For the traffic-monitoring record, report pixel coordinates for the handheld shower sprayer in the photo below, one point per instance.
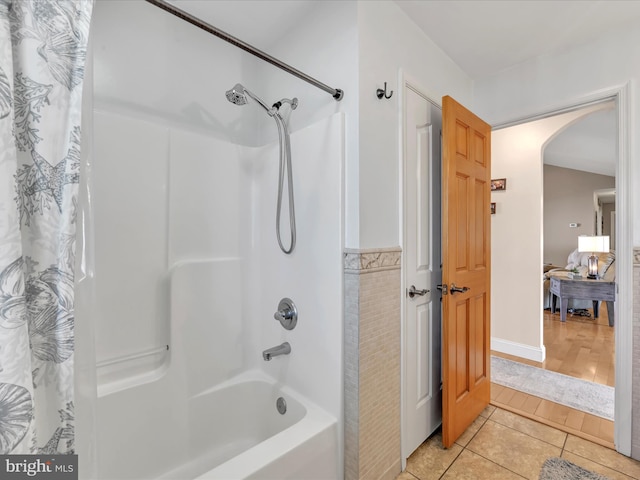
(238, 96)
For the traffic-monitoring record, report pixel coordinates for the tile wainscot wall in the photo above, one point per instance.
(372, 363)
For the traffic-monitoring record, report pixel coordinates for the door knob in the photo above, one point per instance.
(412, 292)
(455, 289)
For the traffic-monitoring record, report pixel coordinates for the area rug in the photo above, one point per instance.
(573, 392)
(560, 469)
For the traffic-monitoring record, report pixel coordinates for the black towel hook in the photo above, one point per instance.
(383, 93)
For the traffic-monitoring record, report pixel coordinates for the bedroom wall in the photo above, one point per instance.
(568, 198)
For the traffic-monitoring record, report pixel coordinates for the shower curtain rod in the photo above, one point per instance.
(335, 92)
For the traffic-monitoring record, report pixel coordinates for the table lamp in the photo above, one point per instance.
(593, 245)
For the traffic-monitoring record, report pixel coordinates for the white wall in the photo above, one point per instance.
(565, 78)
(324, 45)
(169, 70)
(389, 41)
(357, 46)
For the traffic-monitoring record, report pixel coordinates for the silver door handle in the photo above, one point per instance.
(412, 292)
(455, 289)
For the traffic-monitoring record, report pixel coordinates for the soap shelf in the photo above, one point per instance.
(133, 356)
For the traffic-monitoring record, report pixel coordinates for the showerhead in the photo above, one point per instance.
(237, 95)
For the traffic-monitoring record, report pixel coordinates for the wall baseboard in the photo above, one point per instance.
(536, 354)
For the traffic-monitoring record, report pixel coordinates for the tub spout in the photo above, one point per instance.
(284, 349)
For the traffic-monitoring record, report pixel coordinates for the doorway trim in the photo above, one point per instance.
(598, 196)
(624, 252)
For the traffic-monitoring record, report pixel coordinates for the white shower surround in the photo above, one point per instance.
(225, 274)
(183, 208)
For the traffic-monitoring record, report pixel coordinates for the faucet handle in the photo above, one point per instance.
(282, 315)
(287, 314)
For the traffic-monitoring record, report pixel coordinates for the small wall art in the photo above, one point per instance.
(493, 208)
(499, 184)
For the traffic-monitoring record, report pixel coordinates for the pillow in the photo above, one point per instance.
(577, 259)
(573, 259)
(605, 264)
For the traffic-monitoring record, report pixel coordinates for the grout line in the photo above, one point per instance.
(601, 464)
(454, 461)
(564, 444)
(486, 419)
(464, 447)
(495, 463)
(524, 433)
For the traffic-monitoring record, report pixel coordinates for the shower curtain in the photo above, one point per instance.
(42, 55)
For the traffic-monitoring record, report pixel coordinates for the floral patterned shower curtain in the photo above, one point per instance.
(42, 56)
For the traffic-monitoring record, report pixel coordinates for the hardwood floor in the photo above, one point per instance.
(581, 347)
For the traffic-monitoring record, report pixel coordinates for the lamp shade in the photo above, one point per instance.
(593, 244)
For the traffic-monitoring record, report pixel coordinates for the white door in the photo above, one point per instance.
(422, 270)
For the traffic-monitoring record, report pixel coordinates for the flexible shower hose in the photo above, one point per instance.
(285, 163)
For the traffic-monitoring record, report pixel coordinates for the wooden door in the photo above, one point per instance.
(466, 151)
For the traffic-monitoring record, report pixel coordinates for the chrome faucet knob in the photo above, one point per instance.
(282, 315)
(287, 314)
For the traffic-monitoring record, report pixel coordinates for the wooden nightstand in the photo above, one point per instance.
(584, 289)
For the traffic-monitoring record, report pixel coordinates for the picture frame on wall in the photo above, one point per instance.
(493, 208)
(498, 184)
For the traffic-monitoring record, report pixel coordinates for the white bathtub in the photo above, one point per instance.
(198, 409)
(236, 432)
